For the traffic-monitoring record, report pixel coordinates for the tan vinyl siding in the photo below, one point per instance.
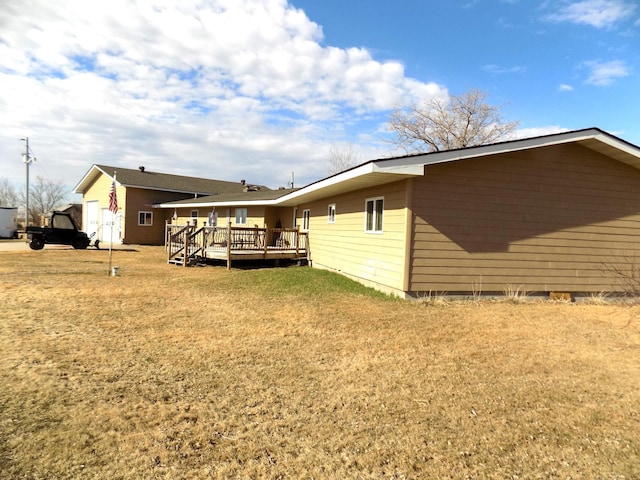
(256, 215)
(375, 258)
(99, 191)
(273, 215)
(550, 219)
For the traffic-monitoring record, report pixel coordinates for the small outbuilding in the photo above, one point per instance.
(8, 222)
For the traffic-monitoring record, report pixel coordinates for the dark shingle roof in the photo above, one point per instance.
(145, 179)
(239, 198)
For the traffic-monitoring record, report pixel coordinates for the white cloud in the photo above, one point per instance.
(563, 87)
(539, 131)
(606, 73)
(500, 70)
(597, 13)
(219, 88)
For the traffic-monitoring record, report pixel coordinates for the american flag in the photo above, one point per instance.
(113, 199)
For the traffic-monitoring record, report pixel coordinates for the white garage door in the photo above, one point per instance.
(110, 226)
(91, 217)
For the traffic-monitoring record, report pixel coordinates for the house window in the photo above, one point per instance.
(374, 208)
(145, 219)
(295, 217)
(194, 217)
(306, 215)
(331, 213)
(241, 216)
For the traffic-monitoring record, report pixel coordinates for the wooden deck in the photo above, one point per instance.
(234, 243)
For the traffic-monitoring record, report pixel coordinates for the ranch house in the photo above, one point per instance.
(555, 213)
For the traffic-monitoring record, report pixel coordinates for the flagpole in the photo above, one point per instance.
(110, 242)
(112, 196)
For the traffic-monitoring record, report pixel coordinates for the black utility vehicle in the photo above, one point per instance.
(62, 231)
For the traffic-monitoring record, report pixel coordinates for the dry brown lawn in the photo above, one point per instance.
(172, 373)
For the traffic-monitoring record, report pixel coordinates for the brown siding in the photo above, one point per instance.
(551, 219)
(139, 200)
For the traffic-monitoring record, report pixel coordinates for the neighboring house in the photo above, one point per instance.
(556, 213)
(137, 222)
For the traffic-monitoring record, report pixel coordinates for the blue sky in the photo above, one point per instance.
(569, 64)
(257, 89)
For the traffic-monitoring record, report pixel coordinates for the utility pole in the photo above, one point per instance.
(27, 159)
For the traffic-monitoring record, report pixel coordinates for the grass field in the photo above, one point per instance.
(172, 373)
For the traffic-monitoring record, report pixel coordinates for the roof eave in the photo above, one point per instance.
(247, 203)
(367, 175)
(630, 152)
(370, 174)
(83, 184)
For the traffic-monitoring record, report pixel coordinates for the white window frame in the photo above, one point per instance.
(372, 226)
(241, 216)
(147, 215)
(194, 216)
(306, 219)
(331, 213)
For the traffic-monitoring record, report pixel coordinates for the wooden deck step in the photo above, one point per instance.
(190, 260)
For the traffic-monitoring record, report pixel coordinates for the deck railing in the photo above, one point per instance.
(185, 242)
(177, 242)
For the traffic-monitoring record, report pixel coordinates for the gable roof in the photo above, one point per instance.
(381, 171)
(145, 179)
(388, 170)
(592, 138)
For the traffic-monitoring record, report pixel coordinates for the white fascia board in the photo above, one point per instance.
(361, 171)
(387, 167)
(90, 175)
(86, 177)
(619, 144)
(399, 167)
(330, 181)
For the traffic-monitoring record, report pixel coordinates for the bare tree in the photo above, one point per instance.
(447, 123)
(9, 196)
(44, 197)
(342, 159)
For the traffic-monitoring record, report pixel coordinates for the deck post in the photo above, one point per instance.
(297, 234)
(167, 240)
(307, 247)
(229, 246)
(266, 235)
(185, 245)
